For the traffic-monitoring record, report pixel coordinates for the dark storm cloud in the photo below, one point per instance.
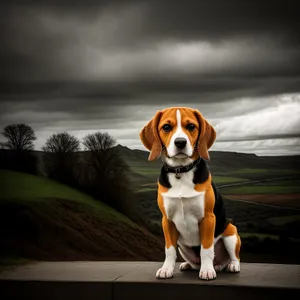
(83, 97)
(90, 65)
(217, 20)
(205, 19)
(262, 137)
(60, 40)
(122, 51)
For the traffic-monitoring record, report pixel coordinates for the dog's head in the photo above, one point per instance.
(178, 132)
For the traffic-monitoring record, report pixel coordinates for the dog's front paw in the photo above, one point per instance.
(234, 267)
(207, 273)
(164, 273)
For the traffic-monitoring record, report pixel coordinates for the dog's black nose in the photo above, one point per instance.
(180, 143)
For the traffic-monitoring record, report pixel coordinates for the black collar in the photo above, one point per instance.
(181, 169)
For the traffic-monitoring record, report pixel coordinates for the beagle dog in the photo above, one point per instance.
(193, 214)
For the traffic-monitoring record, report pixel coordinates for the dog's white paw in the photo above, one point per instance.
(164, 273)
(207, 273)
(234, 267)
(185, 266)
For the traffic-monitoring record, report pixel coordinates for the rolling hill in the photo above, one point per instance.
(223, 164)
(43, 220)
(241, 175)
(226, 167)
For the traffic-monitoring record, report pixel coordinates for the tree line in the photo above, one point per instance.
(98, 170)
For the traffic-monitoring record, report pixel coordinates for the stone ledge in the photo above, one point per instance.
(136, 280)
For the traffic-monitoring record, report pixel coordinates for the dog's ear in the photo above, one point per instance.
(150, 138)
(207, 136)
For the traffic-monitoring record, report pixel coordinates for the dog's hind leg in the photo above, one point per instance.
(221, 260)
(185, 266)
(191, 261)
(232, 243)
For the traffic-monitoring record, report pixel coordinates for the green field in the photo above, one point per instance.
(271, 187)
(146, 170)
(41, 219)
(9, 261)
(20, 187)
(227, 179)
(151, 172)
(279, 221)
(152, 185)
(78, 222)
(284, 182)
(262, 189)
(146, 189)
(261, 171)
(260, 236)
(249, 171)
(217, 179)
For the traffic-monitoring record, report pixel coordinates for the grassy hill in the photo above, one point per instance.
(272, 222)
(226, 167)
(56, 222)
(43, 220)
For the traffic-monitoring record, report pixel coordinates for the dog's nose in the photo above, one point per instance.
(180, 143)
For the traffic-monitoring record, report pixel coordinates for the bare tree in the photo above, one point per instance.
(106, 170)
(99, 144)
(17, 154)
(19, 137)
(62, 143)
(2, 145)
(61, 157)
(98, 141)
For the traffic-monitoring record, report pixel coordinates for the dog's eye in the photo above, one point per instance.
(167, 127)
(190, 127)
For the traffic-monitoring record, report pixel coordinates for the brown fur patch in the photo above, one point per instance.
(206, 186)
(230, 230)
(170, 233)
(150, 138)
(208, 223)
(207, 230)
(238, 247)
(207, 136)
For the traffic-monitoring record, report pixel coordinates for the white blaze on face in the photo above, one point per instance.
(179, 133)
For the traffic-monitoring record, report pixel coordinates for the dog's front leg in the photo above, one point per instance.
(207, 229)
(171, 235)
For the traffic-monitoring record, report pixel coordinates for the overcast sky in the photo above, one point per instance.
(83, 66)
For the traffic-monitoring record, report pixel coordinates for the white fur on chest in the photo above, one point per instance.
(185, 207)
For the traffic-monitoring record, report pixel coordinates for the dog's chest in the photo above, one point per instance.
(184, 206)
